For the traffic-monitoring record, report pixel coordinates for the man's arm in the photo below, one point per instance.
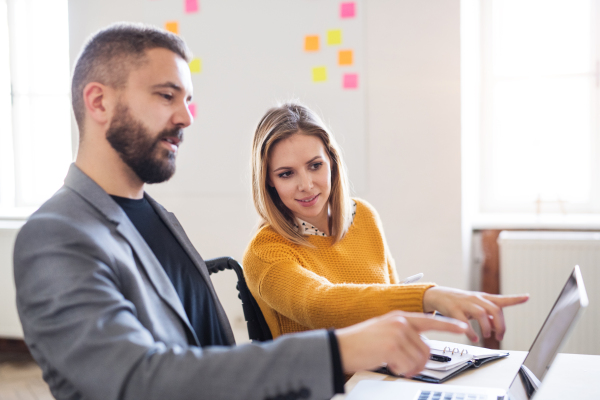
(88, 339)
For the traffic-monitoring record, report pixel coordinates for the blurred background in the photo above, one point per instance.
(471, 126)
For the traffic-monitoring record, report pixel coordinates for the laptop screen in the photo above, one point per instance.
(553, 334)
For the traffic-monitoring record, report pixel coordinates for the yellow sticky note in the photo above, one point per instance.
(311, 43)
(334, 36)
(319, 74)
(195, 66)
(345, 57)
(172, 26)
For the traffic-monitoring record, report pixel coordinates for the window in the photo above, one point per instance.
(34, 100)
(540, 78)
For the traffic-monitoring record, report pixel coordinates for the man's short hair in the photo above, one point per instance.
(110, 54)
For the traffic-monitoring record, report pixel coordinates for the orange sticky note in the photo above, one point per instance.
(345, 57)
(311, 43)
(195, 66)
(172, 26)
(319, 74)
(334, 36)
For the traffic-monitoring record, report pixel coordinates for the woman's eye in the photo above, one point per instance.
(286, 174)
(317, 165)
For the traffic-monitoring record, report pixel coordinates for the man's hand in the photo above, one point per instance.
(393, 339)
(463, 305)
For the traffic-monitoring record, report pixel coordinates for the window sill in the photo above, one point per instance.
(14, 218)
(536, 221)
(11, 224)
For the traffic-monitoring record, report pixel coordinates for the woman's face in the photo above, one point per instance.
(300, 171)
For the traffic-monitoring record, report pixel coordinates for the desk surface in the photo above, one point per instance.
(572, 376)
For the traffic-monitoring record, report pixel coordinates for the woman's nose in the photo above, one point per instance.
(305, 182)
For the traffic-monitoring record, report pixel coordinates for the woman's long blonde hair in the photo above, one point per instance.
(280, 123)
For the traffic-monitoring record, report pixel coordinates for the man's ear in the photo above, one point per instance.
(97, 100)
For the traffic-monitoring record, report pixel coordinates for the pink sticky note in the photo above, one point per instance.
(191, 6)
(350, 81)
(348, 9)
(192, 108)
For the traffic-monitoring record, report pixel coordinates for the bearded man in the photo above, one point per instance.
(114, 300)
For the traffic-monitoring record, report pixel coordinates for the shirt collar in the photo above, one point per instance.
(306, 228)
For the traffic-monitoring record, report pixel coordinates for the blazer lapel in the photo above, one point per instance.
(177, 230)
(77, 181)
(155, 272)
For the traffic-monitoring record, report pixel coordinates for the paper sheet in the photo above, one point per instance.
(195, 66)
(172, 26)
(348, 9)
(319, 74)
(334, 37)
(345, 57)
(311, 43)
(350, 81)
(191, 6)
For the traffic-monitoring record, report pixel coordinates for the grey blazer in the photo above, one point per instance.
(103, 321)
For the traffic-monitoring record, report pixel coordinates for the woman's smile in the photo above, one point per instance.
(308, 201)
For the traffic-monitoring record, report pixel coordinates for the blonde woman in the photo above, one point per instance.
(320, 258)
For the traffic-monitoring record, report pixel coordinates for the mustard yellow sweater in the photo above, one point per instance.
(299, 288)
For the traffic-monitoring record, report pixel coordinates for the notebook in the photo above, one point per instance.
(560, 321)
(462, 357)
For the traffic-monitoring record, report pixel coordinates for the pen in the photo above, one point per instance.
(439, 358)
(412, 279)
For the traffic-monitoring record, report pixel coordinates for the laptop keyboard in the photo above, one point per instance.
(435, 395)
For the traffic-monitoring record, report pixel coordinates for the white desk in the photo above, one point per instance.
(572, 376)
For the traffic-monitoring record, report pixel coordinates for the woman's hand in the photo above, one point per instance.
(464, 305)
(391, 339)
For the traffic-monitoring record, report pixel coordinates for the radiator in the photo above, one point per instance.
(539, 263)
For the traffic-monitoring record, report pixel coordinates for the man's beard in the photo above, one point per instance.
(143, 153)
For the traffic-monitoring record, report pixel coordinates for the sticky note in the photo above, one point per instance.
(311, 43)
(345, 57)
(195, 66)
(319, 74)
(192, 108)
(348, 9)
(350, 81)
(172, 26)
(191, 6)
(334, 36)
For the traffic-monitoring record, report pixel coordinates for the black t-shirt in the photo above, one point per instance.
(183, 273)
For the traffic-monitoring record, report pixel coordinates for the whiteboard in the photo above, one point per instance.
(252, 56)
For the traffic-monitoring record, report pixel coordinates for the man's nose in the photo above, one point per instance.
(183, 116)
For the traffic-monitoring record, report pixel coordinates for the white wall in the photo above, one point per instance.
(9, 320)
(413, 143)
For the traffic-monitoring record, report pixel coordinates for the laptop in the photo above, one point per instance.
(560, 321)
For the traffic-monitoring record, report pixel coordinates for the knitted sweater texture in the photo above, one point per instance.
(300, 288)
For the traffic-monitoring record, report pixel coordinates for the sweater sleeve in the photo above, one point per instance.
(299, 294)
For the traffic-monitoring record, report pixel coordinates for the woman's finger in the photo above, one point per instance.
(495, 316)
(480, 314)
(460, 314)
(506, 301)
